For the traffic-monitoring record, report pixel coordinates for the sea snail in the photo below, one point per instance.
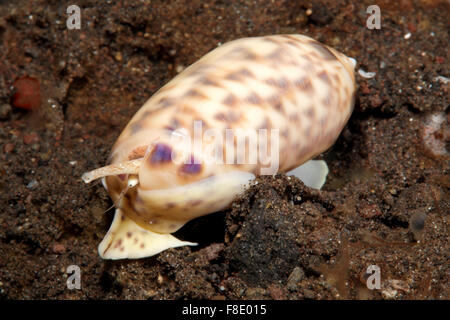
(191, 147)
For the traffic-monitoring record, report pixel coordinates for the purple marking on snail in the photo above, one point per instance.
(160, 154)
(292, 83)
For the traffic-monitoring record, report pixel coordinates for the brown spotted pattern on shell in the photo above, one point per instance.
(287, 82)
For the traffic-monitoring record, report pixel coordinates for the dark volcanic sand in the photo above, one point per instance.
(386, 201)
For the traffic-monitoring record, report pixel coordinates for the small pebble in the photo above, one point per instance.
(29, 138)
(212, 251)
(59, 248)
(5, 111)
(32, 184)
(365, 74)
(308, 294)
(296, 275)
(417, 224)
(179, 68)
(276, 292)
(27, 95)
(417, 221)
(370, 211)
(388, 198)
(8, 147)
(255, 293)
(389, 294)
